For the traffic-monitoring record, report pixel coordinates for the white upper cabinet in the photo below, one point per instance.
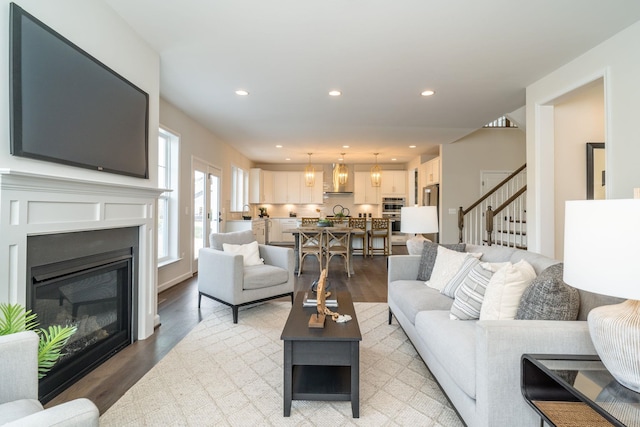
(260, 186)
(394, 183)
(432, 171)
(363, 192)
(312, 194)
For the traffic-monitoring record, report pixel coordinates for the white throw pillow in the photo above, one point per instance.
(447, 264)
(502, 297)
(250, 252)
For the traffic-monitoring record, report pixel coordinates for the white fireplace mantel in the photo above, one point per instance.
(33, 204)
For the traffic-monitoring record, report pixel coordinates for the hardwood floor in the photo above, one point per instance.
(179, 313)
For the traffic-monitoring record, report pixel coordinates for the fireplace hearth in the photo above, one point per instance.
(86, 279)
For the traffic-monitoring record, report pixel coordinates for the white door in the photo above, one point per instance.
(207, 213)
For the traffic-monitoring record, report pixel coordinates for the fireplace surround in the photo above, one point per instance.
(35, 207)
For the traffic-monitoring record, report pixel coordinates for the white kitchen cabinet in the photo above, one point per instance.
(286, 187)
(260, 186)
(432, 171)
(238, 225)
(288, 224)
(258, 226)
(312, 194)
(363, 191)
(275, 232)
(394, 183)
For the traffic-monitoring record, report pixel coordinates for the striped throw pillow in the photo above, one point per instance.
(470, 294)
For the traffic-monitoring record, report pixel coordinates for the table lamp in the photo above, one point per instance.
(417, 220)
(602, 255)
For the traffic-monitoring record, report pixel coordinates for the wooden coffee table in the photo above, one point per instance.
(322, 364)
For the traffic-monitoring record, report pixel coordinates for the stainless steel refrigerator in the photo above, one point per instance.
(431, 197)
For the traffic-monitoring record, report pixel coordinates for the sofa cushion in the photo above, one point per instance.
(428, 258)
(412, 296)
(14, 410)
(263, 276)
(469, 296)
(250, 252)
(549, 298)
(504, 291)
(235, 238)
(453, 344)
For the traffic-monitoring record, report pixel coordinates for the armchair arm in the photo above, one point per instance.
(76, 413)
(403, 267)
(19, 366)
(278, 257)
(499, 346)
(220, 274)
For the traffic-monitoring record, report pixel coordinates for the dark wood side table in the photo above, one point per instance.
(574, 390)
(322, 364)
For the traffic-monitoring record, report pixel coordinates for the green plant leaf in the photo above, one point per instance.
(15, 318)
(52, 340)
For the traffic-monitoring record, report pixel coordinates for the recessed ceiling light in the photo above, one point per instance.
(278, 146)
(288, 158)
(428, 92)
(242, 92)
(394, 159)
(345, 146)
(335, 93)
(412, 146)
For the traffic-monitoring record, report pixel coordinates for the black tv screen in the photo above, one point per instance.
(70, 108)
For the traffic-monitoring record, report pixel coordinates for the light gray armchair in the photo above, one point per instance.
(223, 277)
(19, 405)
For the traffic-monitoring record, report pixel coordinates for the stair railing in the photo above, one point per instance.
(512, 224)
(472, 221)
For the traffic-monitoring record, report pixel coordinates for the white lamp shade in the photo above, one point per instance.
(602, 246)
(419, 219)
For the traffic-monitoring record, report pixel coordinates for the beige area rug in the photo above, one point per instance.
(223, 374)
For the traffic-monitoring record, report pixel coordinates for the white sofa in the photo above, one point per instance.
(477, 363)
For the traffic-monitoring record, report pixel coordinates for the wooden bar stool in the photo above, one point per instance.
(361, 224)
(379, 229)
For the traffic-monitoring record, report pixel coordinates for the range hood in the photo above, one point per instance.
(331, 185)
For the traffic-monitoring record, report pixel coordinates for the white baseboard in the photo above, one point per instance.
(174, 281)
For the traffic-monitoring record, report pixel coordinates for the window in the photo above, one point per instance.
(239, 189)
(168, 201)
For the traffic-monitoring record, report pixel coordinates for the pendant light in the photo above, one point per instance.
(343, 172)
(376, 173)
(309, 174)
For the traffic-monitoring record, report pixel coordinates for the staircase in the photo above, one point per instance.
(499, 216)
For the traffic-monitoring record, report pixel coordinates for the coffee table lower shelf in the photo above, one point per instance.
(312, 382)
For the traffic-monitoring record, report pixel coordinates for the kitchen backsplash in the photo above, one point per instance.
(331, 204)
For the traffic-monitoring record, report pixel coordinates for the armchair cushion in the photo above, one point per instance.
(216, 240)
(264, 276)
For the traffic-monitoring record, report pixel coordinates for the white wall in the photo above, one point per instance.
(578, 119)
(105, 36)
(461, 164)
(195, 141)
(617, 60)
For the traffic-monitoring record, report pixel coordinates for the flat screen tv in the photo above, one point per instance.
(68, 107)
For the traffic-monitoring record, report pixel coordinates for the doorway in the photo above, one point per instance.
(207, 213)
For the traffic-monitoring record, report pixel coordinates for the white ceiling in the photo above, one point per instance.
(477, 55)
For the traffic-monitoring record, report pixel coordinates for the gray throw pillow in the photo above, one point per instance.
(429, 254)
(234, 238)
(549, 298)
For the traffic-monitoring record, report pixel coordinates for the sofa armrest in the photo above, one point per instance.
(403, 267)
(19, 366)
(499, 346)
(76, 413)
(220, 274)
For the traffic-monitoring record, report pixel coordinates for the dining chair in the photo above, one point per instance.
(339, 243)
(361, 234)
(310, 242)
(309, 221)
(379, 230)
